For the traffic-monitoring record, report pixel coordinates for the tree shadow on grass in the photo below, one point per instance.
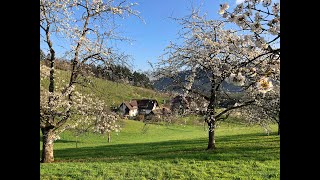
(234, 147)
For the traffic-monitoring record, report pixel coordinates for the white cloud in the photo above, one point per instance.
(239, 1)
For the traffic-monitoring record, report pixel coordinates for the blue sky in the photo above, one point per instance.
(150, 38)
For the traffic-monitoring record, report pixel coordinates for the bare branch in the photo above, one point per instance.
(234, 107)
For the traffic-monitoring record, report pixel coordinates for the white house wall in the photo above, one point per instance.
(154, 106)
(133, 112)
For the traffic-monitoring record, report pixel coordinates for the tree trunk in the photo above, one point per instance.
(52, 62)
(211, 116)
(211, 143)
(109, 137)
(47, 145)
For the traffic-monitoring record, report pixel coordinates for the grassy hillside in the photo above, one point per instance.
(111, 92)
(167, 152)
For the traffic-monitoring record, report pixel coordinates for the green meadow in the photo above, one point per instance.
(155, 151)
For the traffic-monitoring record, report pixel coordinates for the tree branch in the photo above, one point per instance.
(234, 107)
(248, 62)
(223, 118)
(274, 39)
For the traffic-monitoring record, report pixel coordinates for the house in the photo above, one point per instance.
(158, 113)
(145, 106)
(138, 106)
(128, 108)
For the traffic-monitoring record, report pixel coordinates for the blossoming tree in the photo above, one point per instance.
(265, 110)
(261, 20)
(107, 122)
(238, 56)
(86, 28)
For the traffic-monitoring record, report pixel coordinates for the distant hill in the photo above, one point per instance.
(111, 92)
(202, 84)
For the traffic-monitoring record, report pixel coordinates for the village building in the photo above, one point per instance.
(145, 106)
(158, 113)
(128, 108)
(138, 106)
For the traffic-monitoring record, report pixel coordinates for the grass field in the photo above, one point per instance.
(167, 152)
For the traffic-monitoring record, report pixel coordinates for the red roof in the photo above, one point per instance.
(131, 105)
(134, 103)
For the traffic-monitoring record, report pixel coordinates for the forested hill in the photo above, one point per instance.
(113, 93)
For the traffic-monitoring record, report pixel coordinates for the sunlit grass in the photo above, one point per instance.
(167, 152)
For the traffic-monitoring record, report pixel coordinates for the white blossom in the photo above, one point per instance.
(256, 27)
(223, 8)
(236, 79)
(276, 8)
(264, 85)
